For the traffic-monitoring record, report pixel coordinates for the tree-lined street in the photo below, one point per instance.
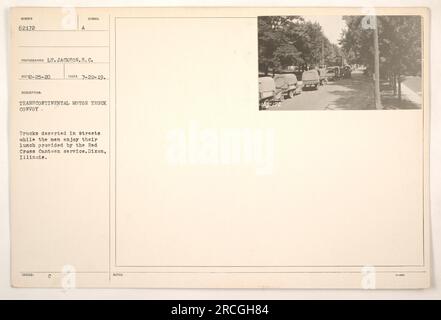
(382, 56)
(352, 94)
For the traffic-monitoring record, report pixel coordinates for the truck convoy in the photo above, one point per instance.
(273, 90)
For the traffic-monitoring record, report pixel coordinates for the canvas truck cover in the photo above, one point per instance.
(310, 75)
(267, 87)
(285, 80)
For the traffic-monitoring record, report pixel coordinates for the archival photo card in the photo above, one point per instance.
(139, 156)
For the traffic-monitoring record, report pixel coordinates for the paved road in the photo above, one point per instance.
(345, 94)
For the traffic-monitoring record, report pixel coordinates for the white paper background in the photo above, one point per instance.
(6, 292)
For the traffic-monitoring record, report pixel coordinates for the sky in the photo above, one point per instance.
(331, 26)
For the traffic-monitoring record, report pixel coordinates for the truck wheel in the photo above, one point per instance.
(264, 105)
(267, 104)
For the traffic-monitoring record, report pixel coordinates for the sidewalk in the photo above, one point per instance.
(409, 98)
(411, 89)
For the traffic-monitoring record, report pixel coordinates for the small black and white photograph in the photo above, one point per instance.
(340, 62)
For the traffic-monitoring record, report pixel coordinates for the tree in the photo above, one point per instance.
(275, 48)
(286, 41)
(399, 46)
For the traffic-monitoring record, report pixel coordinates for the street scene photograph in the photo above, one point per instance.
(340, 62)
